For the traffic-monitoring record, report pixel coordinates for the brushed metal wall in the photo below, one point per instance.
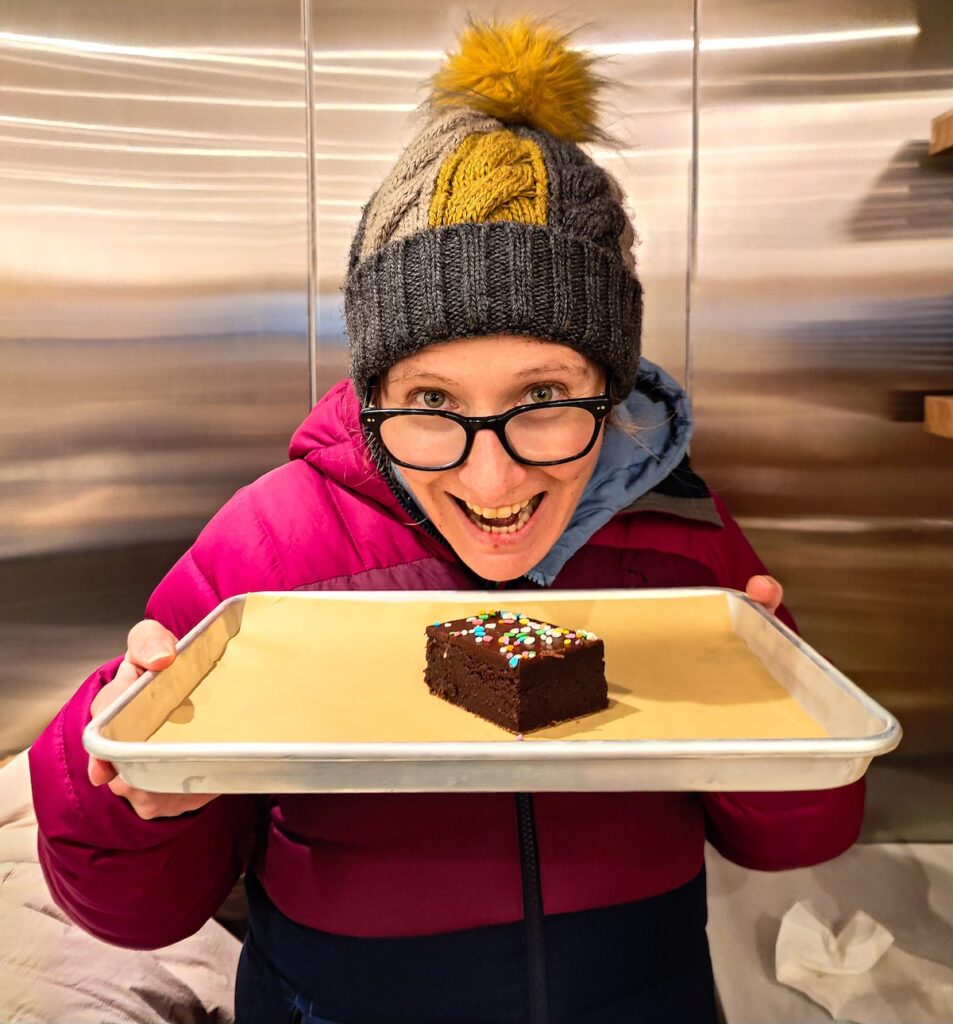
(822, 313)
(153, 284)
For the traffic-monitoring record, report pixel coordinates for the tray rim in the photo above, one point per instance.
(835, 748)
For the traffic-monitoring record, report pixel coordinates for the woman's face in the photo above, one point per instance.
(483, 377)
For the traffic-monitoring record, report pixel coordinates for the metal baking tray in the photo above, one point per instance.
(853, 727)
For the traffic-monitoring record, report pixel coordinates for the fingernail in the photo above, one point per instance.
(159, 655)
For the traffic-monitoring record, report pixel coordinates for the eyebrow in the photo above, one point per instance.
(538, 371)
(533, 371)
(423, 375)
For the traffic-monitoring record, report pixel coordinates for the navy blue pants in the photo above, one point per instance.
(638, 962)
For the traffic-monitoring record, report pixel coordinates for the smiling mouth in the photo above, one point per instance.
(506, 519)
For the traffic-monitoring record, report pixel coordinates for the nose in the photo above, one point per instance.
(489, 475)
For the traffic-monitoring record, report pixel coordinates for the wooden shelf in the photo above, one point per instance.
(938, 414)
(941, 133)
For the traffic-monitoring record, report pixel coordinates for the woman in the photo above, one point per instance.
(494, 319)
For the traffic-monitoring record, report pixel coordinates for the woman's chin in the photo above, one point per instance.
(497, 573)
(499, 566)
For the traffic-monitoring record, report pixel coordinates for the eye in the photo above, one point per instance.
(433, 399)
(542, 393)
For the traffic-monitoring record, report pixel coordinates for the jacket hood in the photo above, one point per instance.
(331, 439)
(629, 464)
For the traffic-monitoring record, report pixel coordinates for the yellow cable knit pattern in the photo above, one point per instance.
(491, 177)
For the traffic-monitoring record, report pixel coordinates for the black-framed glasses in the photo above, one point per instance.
(542, 434)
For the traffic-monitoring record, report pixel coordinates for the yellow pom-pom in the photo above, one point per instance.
(522, 72)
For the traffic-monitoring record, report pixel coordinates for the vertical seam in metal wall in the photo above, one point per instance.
(312, 206)
(692, 202)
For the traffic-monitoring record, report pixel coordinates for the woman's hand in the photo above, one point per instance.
(766, 591)
(150, 646)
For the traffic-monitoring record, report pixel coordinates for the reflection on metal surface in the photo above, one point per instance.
(912, 198)
(636, 47)
(821, 316)
(153, 338)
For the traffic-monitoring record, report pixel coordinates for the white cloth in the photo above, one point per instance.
(859, 974)
(908, 887)
(52, 971)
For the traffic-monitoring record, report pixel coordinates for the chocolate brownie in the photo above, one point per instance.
(515, 671)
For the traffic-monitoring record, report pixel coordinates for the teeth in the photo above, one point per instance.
(512, 528)
(523, 514)
(503, 512)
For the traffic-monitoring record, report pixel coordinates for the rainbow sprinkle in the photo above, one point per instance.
(521, 634)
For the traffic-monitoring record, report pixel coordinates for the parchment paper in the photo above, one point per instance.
(348, 671)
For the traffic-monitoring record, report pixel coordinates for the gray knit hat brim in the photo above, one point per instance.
(471, 280)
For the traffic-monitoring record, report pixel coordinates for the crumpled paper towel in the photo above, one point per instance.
(859, 975)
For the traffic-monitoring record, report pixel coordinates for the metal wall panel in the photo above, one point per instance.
(821, 315)
(153, 334)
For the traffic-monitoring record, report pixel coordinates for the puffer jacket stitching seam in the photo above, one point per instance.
(362, 561)
(279, 567)
(202, 574)
(61, 750)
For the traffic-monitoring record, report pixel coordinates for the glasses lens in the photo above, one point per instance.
(549, 434)
(425, 441)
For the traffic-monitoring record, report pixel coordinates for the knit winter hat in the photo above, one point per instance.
(494, 220)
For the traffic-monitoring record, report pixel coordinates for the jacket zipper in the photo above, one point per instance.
(532, 908)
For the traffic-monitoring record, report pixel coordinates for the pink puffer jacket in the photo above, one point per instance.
(395, 865)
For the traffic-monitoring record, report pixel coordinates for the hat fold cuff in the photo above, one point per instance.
(472, 280)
